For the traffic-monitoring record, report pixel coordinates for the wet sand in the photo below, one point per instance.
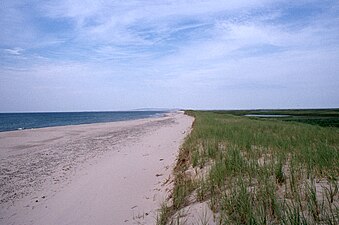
(109, 173)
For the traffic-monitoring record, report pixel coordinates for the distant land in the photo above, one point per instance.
(156, 109)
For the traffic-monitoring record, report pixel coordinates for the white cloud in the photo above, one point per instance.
(113, 21)
(202, 49)
(14, 51)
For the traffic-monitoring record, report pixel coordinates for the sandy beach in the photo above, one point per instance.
(108, 173)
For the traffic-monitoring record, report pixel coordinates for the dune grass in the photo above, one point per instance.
(261, 171)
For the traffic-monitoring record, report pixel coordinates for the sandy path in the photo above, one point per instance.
(111, 173)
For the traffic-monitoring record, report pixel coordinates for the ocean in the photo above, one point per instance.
(20, 121)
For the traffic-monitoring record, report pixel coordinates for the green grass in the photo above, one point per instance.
(320, 117)
(262, 171)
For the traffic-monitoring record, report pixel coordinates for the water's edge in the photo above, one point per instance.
(20, 121)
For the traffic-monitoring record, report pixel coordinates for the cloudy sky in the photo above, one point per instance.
(75, 55)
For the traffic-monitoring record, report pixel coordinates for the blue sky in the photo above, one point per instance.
(203, 54)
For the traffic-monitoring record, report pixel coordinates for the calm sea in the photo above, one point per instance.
(19, 121)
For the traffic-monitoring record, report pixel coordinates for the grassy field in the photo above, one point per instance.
(259, 170)
(321, 117)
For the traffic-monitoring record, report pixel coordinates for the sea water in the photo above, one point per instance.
(20, 121)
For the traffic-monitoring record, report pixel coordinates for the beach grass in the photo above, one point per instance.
(260, 170)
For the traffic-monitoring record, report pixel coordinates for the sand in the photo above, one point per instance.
(108, 173)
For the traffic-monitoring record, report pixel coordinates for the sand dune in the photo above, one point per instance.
(109, 173)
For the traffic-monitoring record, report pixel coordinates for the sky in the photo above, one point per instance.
(85, 55)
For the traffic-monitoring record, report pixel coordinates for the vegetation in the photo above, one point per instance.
(321, 117)
(260, 170)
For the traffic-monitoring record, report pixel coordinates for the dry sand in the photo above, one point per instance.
(109, 173)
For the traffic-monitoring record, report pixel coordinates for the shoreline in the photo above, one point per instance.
(123, 119)
(106, 173)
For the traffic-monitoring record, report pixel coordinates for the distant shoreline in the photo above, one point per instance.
(36, 120)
